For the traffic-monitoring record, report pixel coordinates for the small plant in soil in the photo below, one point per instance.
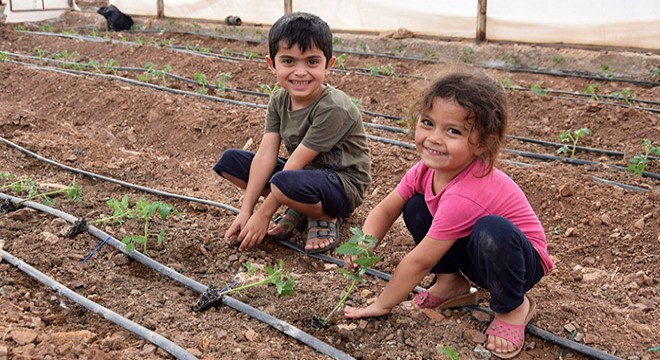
(573, 137)
(26, 185)
(374, 70)
(430, 53)
(625, 94)
(557, 60)
(46, 28)
(284, 284)
(605, 71)
(507, 83)
(389, 70)
(538, 89)
(221, 82)
(358, 247)
(655, 73)
(592, 90)
(509, 59)
(203, 82)
(336, 40)
(468, 55)
(639, 162)
(339, 62)
(448, 351)
(146, 211)
(251, 55)
(267, 89)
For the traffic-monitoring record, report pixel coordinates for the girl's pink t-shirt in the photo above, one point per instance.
(468, 197)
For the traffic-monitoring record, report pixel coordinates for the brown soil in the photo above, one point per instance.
(604, 239)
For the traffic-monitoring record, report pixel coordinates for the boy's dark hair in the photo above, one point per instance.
(485, 101)
(302, 29)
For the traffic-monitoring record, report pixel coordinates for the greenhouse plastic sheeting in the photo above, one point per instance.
(31, 10)
(633, 23)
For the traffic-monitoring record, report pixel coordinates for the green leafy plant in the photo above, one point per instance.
(71, 32)
(147, 211)
(449, 352)
(639, 162)
(203, 82)
(572, 137)
(221, 82)
(252, 55)
(112, 65)
(509, 59)
(399, 50)
(267, 89)
(557, 60)
(507, 83)
(655, 73)
(538, 89)
(364, 47)
(430, 53)
(46, 28)
(121, 209)
(20, 28)
(605, 71)
(592, 90)
(40, 53)
(3, 57)
(139, 40)
(625, 94)
(468, 55)
(389, 70)
(260, 34)
(358, 247)
(336, 40)
(356, 102)
(28, 187)
(284, 283)
(339, 61)
(374, 70)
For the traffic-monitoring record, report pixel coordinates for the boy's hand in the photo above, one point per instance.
(231, 235)
(253, 232)
(372, 310)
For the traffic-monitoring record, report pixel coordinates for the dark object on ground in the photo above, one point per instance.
(117, 21)
(209, 298)
(233, 20)
(7, 206)
(78, 227)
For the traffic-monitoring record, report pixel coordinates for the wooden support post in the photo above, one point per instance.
(481, 21)
(160, 9)
(288, 6)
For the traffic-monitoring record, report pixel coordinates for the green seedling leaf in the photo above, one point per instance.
(572, 137)
(639, 162)
(449, 352)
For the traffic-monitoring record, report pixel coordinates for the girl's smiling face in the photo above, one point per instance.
(301, 74)
(445, 140)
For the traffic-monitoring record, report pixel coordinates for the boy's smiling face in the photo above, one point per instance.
(301, 74)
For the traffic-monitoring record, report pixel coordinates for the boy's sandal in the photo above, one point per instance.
(512, 333)
(425, 300)
(321, 229)
(290, 221)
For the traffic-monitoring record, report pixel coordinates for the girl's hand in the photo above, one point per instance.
(349, 265)
(372, 310)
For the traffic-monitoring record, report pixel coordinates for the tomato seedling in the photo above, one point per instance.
(573, 137)
(146, 210)
(358, 247)
(639, 162)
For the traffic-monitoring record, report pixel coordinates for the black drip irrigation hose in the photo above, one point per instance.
(274, 322)
(535, 331)
(119, 182)
(137, 329)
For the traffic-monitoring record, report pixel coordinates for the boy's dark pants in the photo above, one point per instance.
(305, 186)
(497, 256)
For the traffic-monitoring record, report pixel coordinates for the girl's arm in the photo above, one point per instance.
(410, 272)
(380, 220)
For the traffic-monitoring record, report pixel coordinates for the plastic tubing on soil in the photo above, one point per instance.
(274, 322)
(154, 338)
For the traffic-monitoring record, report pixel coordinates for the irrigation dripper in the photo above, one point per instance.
(7, 206)
(78, 227)
(211, 297)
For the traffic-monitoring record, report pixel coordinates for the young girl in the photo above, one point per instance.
(468, 219)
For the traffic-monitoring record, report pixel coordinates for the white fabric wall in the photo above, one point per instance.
(630, 23)
(21, 9)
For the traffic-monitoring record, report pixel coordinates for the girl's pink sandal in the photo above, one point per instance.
(515, 334)
(425, 300)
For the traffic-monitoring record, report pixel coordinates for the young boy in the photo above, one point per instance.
(329, 165)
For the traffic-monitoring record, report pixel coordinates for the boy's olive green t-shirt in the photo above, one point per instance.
(332, 125)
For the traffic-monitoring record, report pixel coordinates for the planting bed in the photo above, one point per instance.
(604, 238)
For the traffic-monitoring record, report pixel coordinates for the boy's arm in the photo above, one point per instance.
(261, 169)
(300, 158)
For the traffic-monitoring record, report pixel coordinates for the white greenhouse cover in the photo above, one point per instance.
(631, 23)
(32, 10)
